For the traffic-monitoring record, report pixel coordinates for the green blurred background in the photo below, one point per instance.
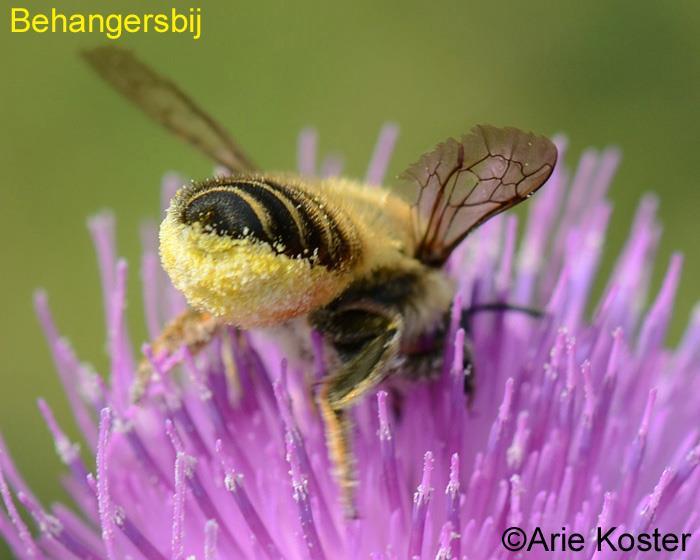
(624, 73)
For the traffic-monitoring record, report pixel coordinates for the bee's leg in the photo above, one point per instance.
(193, 329)
(466, 324)
(361, 370)
(468, 368)
(427, 364)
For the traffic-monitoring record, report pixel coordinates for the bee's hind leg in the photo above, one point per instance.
(193, 329)
(367, 337)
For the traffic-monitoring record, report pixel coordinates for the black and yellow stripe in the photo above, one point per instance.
(291, 220)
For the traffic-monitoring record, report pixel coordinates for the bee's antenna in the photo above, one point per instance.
(497, 307)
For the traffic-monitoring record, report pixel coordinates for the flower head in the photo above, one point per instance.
(575, 422)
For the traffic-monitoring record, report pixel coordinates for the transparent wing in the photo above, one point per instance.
(461, 184)
(166, 103)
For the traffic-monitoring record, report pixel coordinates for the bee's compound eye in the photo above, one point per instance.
(224, 212)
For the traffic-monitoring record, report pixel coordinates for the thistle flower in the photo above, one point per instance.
(575, 423)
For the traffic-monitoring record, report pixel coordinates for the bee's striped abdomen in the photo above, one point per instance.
(292, 221)
(323, 233)
(226, 212)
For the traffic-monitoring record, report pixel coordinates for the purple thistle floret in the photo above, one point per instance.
(575, 423)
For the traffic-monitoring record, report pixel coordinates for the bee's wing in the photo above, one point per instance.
(461, 184)
(166, 103)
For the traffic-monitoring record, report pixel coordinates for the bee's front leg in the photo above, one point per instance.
(427, 362)
(367, 338)
(466, 324)
(193, 329)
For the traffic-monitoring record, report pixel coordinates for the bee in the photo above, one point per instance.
(358, 263)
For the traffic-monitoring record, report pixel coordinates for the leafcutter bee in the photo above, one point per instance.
(356, 262)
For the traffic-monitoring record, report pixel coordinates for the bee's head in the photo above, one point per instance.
(252, 251)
